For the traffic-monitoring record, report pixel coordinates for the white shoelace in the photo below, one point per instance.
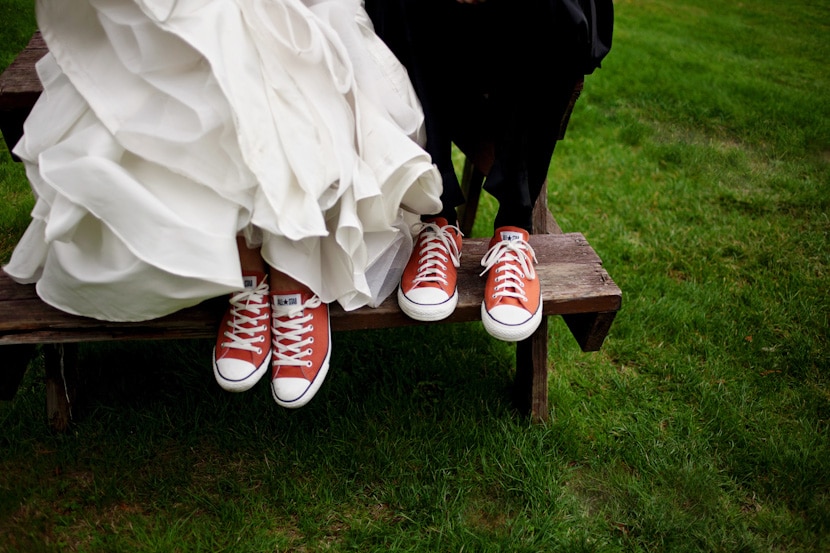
(434, 246)
(244, 328)
(293, 331)
(516, 258)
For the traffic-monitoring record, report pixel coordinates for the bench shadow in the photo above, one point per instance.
(424, 370)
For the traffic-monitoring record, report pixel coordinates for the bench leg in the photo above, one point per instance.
(16, 359)
(531, 383)
(590, 329)
(61, 362)
(530, 387)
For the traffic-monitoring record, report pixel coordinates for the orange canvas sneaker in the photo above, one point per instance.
(301, 346)
(428, 285)
(243, 346)
(512, 306)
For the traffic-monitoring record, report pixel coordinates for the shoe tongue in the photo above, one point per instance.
(512, 234)
(288, 300)
(251, 280)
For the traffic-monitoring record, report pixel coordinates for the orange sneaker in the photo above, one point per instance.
(301, 346)
(243, 346)
(428, 285)
(512, 306)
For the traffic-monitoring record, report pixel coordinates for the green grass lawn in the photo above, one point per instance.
(696, 164)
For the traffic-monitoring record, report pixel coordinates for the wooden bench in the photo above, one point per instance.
(574, 285)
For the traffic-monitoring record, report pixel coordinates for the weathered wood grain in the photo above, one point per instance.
(19, 83)
(19, 90)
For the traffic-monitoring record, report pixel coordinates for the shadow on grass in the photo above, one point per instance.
(391, 376)
(400, 415)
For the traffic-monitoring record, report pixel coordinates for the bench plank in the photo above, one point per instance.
(573, 281)
(19, 83)
(19, 90)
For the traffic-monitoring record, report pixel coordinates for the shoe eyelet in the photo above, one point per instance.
(308, 352)
(311, 340)
(311, 328)
(308, 364)
(259, 351)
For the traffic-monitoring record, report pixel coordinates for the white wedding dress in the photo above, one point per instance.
(168, 127)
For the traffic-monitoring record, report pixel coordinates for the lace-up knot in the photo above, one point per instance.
(514, 259)
(249, 313)
(290, 329)
(436, 248)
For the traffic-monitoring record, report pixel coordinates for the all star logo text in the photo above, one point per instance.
(288, 301)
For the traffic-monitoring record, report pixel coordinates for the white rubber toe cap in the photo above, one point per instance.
(510, 323)
(427, 295)
(289, 390)
(510, 315)
(296, 392)
(427, 303)
(235, 375)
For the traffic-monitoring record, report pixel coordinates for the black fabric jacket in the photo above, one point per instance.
(585, 28)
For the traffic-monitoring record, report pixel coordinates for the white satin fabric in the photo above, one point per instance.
(168, 127)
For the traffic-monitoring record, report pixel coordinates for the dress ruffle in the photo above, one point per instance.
(167, 128)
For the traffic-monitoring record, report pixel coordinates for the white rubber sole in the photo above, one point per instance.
(427, 312)
(510, 332)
